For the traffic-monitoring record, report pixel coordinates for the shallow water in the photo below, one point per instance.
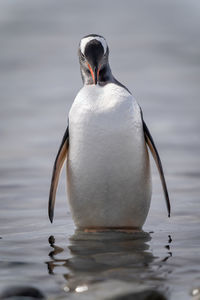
(154, 49)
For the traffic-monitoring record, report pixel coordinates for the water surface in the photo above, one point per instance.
(154, 50)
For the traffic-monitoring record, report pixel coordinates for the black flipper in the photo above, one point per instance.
(154, 152)
(60, 158)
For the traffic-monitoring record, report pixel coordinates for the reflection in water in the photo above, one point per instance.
(168, 248)
(107, 256)
(52, 264)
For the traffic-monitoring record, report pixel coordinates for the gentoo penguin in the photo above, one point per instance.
(105, 143)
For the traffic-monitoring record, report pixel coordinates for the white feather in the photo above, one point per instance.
(86, 40)
(109, 181)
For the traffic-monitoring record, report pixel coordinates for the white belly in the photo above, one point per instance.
(108, 171)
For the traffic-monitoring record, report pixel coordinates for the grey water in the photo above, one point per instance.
(155, 52)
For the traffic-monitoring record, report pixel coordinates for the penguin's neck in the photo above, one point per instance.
(105, 75)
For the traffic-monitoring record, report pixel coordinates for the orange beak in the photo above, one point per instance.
(94, 73)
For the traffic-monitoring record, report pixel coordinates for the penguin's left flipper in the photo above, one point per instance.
(60, 159)
(154, 152)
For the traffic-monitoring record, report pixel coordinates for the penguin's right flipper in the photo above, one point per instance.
(60, 159)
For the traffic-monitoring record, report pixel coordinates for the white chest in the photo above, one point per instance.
(111, 107)
(108, 162)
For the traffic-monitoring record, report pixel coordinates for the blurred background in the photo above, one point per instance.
(154, 50)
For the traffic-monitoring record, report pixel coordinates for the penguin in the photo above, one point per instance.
(105, 144)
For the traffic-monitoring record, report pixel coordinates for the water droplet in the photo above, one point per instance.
(81, 288)
(195, 292)
(66, 289)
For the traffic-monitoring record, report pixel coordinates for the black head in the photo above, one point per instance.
(93, 57)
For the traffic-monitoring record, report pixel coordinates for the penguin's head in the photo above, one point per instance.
(93, 56)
